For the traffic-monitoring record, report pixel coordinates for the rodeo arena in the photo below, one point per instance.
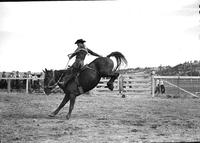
(142, 107)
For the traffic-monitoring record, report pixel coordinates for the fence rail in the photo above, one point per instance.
(137, 83)
(134, 83)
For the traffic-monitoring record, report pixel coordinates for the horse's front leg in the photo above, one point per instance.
(71, 106)
(62, 104)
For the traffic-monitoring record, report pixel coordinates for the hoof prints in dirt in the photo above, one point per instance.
(154, 126)
(103, 118)
(56, 133)
(133, 123)
(99, 119)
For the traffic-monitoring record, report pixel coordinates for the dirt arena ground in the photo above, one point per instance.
(99, 119)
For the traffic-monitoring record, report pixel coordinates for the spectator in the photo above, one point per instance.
(12, 82)
(11, 75)
(162, 87)
(24, 80)
(29, 81)
(35, 82)
(3, 75)
(25, 75)
(157, 90)
(3, 82)
(17, 81)
(17, 74)
(29, 74)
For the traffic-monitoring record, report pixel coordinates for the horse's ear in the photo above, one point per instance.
(45, 69)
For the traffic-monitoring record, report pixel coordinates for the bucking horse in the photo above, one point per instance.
(87, 79)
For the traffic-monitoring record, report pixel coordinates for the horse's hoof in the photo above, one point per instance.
(110, 86)
(68, 117)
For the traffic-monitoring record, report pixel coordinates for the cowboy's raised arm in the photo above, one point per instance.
(93, 53)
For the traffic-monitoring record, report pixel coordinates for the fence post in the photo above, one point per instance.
(120, 84)
(178, 84)
(152, 83)
(8, 86)
(27, 85)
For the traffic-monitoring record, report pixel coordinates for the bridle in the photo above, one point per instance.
(53, 79)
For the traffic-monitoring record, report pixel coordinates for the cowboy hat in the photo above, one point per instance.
(80, 41)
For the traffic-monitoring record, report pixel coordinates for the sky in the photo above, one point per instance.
(149, 33)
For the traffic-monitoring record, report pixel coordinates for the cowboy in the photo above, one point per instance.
(157, 90)
(80, 54)
(162, 87)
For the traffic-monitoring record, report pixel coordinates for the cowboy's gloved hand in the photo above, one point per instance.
(69, 56)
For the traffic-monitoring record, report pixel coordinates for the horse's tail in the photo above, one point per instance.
(119, 57)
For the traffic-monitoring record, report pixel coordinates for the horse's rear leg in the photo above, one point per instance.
(71, 106)
(113, 76)
(62, 104)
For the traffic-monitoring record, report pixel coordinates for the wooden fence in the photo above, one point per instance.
(134, 83)
(27, 82)
(189, 85)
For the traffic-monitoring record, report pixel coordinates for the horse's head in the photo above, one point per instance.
(49, 81)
